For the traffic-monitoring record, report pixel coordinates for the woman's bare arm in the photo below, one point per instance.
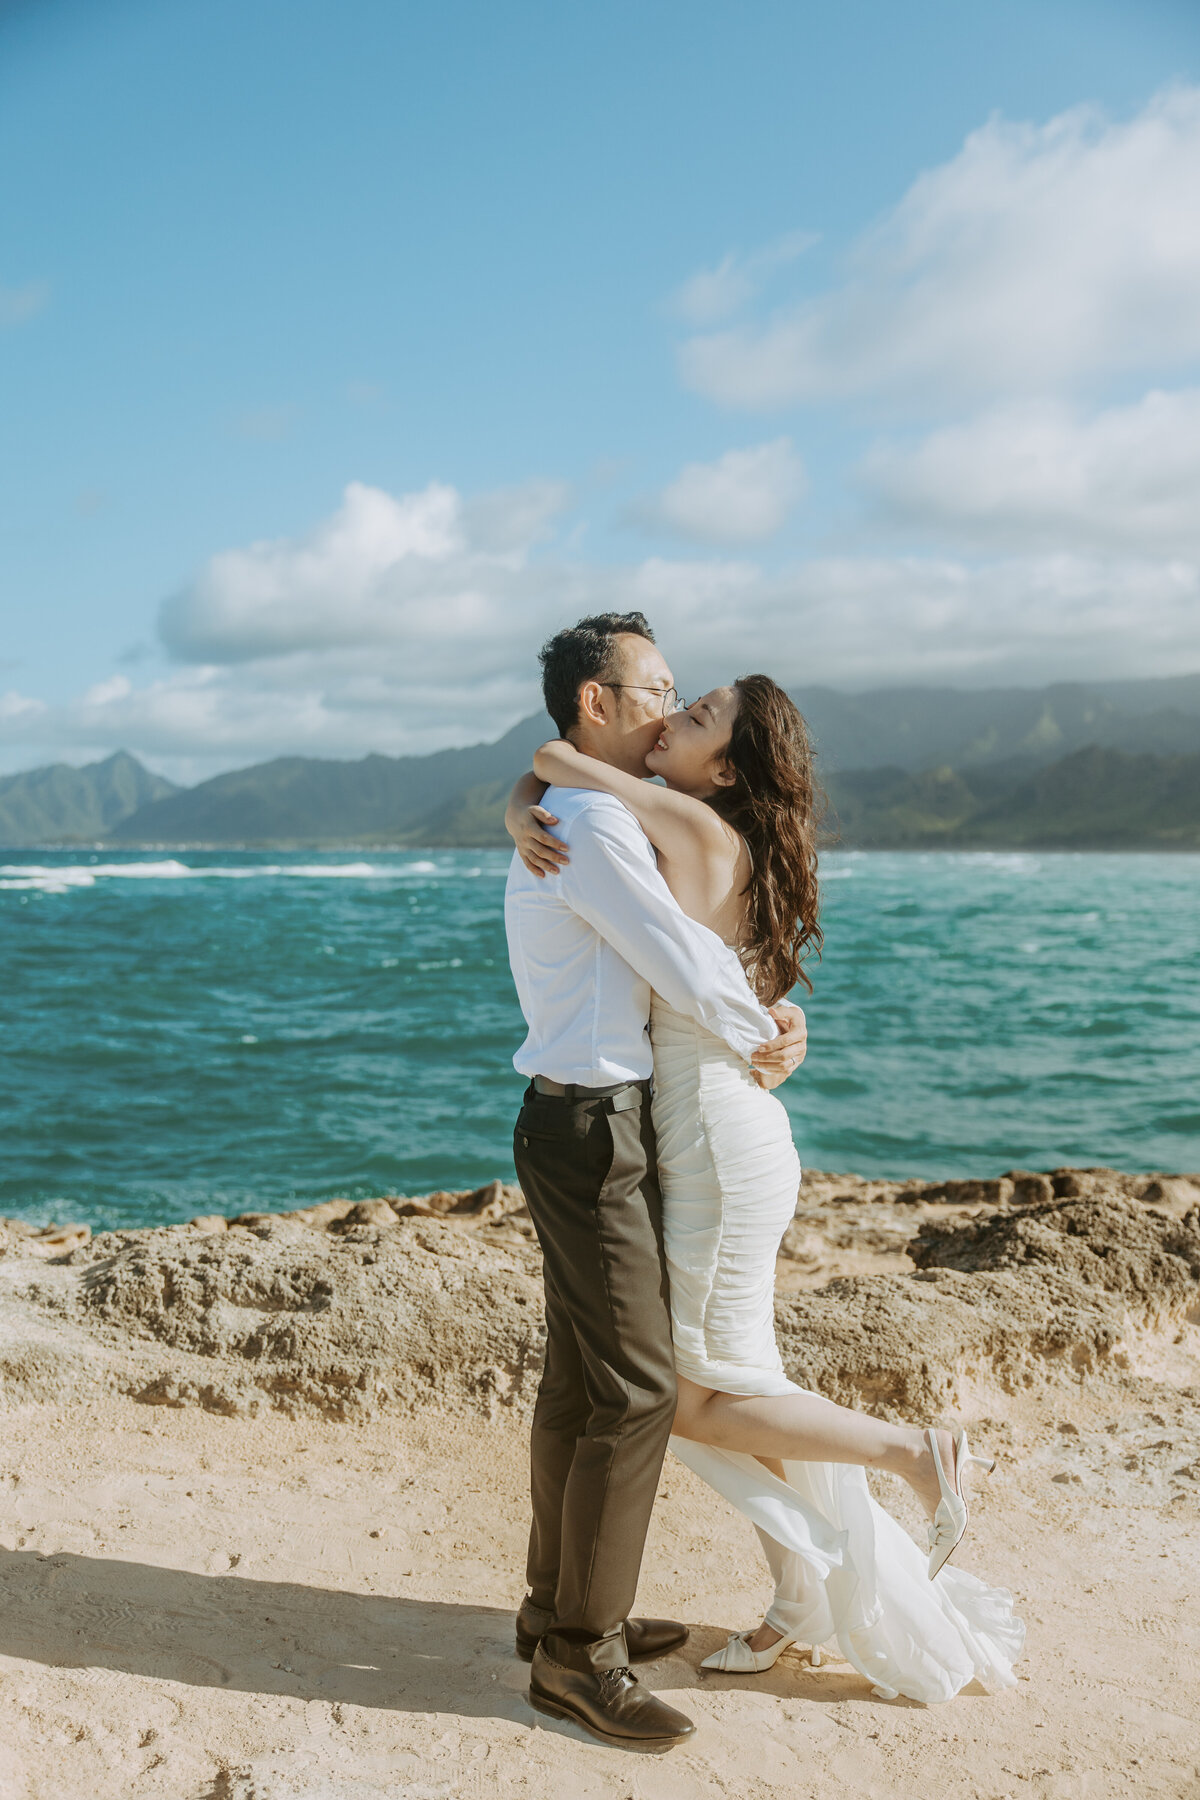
(525, 819)
(677, 825)
(527, 792)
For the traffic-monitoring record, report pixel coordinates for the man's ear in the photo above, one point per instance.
(593, 703)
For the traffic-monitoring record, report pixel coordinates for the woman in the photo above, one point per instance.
(734, 830)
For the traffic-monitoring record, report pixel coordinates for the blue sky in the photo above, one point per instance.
(348, 348)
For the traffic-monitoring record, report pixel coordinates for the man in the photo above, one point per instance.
(586, 949)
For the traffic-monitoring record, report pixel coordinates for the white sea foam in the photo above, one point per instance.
(86, 874)
(1015, 862)
(321, 871)
(47, 880)
(45, 884)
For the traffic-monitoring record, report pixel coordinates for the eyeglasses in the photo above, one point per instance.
(672, 702)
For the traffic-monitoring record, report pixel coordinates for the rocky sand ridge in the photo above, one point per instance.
(912, 1298)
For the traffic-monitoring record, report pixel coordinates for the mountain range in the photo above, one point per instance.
(1017, 728)
(1109, 764)
(64, 805)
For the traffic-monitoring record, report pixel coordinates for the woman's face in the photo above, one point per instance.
(690, 752)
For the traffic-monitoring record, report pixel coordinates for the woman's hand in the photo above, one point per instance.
(778, 1059)
(541, 853)
(770, 1078)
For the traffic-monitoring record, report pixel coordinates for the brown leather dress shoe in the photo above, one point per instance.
(645, 1639)
(610, 1703)
(648, 1638)
(532, 1622)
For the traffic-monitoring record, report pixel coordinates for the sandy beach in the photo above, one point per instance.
(263, 1503)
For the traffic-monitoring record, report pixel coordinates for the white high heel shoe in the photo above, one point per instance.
(737, 1658)
(948, 1526)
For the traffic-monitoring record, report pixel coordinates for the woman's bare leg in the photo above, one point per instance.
(807, 1428)
(766, 1635)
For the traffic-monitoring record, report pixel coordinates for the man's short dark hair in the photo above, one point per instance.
(584, 652)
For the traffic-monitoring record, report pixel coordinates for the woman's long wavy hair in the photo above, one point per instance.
(775, 805)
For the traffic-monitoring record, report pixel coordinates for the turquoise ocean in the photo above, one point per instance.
(194, 1033)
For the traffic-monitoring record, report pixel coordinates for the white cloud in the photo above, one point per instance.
(861, 622)
(402, 625)
(429, 572)
(191, 722)
(743, 497)
(713, 294)
(1037, 257)
(19, 710)
(17, 304)
(103, 693)
(1038, 475)
(365, 575)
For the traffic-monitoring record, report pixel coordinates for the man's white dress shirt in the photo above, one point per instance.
(589, 944)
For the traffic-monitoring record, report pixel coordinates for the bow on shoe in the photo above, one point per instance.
(735, 1657)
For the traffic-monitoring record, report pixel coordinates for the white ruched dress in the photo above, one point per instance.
(846, 1574)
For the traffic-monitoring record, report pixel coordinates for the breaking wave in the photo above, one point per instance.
(42, 878)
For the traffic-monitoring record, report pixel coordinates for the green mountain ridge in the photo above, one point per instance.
(299, 800)
(64, 805)
(1094, 799)
(926, 728)
(1104, 764)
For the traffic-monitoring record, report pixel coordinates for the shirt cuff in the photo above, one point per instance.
(745, 1046)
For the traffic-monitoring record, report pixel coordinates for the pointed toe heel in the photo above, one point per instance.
(953, 1515)
(735, 1657)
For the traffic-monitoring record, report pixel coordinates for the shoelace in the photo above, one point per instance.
(613, 1676)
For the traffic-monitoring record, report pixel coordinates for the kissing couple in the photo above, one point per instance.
(653, 942)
